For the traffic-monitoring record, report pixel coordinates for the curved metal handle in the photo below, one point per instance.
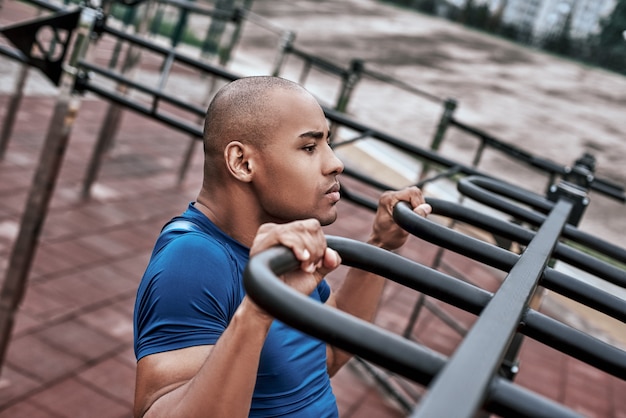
(332, 325)
(373, 343)
(504, 260)
(493, 193)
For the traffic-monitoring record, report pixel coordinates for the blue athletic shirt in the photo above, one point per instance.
(188, 294)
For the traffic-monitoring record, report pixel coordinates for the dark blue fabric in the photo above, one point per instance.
(187, 297)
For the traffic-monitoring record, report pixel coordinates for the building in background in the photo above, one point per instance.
(538, 18)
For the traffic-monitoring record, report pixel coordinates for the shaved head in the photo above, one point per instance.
(242, 111)
(267, 155)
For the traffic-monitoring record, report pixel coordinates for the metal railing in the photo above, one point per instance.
(104, 82)
(470, 376)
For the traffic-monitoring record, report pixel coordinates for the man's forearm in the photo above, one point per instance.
(359, 295)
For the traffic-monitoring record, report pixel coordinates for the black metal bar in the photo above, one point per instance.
(318, 62)
(604, 186)
(490, 192)
(575, 343)
(504, 260)
(44, 181)
(358, 199)
(473, 299)
(401, 84)
(201, 10)
(155, 92)
(467, 376)
(509, 149)
(603, 356)
(363, 135)
(344, 120)
(171, 121)
(366, 179)
(372, 343)
(46, 5)
(177, 56)
(522, 235)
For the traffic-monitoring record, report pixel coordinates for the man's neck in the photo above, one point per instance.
(229, 216)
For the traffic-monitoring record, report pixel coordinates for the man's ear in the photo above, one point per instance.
(237, 156)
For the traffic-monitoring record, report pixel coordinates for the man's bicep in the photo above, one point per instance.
(161, 374)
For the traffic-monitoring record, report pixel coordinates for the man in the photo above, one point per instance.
(204, 349)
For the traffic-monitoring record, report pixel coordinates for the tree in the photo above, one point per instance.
(611, 45)
(559, 41)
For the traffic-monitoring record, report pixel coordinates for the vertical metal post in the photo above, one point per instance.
(12, 108)
(286, 42)
(113, 117)
(449, 106)
(479, 153)
(225, 53)
(224, 58)
(304, 74)
(179, 30)
(14, 104)
(349, 82)
(213, 38)
(45, 179)
(155, 27)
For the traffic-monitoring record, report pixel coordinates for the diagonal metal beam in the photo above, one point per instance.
(469, 373)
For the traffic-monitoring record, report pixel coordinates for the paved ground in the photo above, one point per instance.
(71, 350)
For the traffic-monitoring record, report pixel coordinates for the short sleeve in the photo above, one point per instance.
(324, 290)
(187, 296)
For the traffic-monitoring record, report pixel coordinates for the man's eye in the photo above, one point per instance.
(309, 148)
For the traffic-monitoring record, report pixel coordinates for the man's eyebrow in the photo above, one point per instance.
(313, 134)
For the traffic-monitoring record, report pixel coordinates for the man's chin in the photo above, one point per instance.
(327, 220)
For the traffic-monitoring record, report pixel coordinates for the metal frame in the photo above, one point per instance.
(470, 376)
(556, 216)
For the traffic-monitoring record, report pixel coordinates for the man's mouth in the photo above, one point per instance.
(333, 193)
(334, 189)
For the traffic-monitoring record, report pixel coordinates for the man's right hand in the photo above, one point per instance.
(307, 241)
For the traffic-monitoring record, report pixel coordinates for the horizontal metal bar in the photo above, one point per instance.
(359, 137)
(575, 343)
(513, 151)
(468, 374)
(603, 186)
(201, 10)
(155, 92)
(178, 56)
(431, 156)
(523, 236)
(473, 299)
(370, 342)
(370, 181)
(358, 199)
(504, 260)
(401, 84)
(176, 123)
(46, 5)
(490, 191)
(318, 62)
(411, 274)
